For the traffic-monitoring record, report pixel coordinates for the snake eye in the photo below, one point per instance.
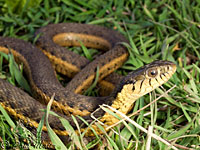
(152, 72)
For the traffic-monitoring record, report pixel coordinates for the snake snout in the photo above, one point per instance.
(159, 72)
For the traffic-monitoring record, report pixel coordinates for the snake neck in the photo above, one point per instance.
(124, 100)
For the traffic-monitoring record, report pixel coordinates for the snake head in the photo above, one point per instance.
(147, 78)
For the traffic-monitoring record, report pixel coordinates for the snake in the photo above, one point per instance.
(50, 54)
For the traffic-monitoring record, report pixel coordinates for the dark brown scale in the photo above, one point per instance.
(114, 78)
(63, 58)
(52, 53)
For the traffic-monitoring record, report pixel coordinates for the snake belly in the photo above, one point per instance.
(44, 84)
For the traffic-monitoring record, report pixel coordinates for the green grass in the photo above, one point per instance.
(166, 30)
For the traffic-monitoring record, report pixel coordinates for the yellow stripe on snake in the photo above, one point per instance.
(67, 100)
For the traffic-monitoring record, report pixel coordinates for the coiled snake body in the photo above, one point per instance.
(43, 81)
